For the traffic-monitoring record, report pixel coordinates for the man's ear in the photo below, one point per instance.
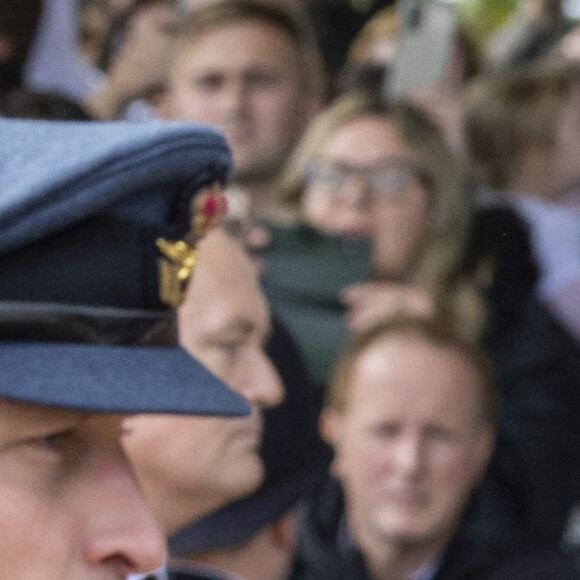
(328, 425)
(482, 455)
(162, 105)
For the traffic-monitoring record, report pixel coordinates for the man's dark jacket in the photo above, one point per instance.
(323, 555)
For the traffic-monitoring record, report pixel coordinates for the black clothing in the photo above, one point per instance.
(323, 555)
(535, 478)
(291, 444)
(193, 576)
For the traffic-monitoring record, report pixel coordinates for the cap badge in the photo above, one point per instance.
(178, 258)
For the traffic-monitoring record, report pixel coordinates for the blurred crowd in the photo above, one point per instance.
(406, 195)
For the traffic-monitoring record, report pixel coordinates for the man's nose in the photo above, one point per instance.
(234, 97)
(263, 386)
(410, 455)
(122, 534)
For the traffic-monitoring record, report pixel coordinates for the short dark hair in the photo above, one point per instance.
(433, 331)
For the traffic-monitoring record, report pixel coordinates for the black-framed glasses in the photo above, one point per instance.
(388, 180)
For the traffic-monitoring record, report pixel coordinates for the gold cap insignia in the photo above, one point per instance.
(178, 258)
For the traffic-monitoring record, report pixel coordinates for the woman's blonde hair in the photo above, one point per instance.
(385, 25)
(439, 267)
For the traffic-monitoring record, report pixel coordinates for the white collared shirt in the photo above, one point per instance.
(160, 574)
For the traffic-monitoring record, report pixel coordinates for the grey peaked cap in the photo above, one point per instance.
(81, 206)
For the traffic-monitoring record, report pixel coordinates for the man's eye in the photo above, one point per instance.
(209, 83)
(230, 347)
(441, 434)
(168, 28)
(54, 442)
(385, 430)
(262, 81)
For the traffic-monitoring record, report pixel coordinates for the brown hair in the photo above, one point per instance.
(514, 109)
(432, 331)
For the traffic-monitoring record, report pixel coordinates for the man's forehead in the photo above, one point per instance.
(416, 366)
(410, 342)
(241, 311)
(257, 31)
(252, 21)
(225, 291)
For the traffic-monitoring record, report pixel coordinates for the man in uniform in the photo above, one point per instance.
(190, 466)
(98, 226)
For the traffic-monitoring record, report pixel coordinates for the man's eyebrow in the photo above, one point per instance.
(259, 71)
(205, 75)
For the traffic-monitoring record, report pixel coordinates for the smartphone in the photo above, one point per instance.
(425, 47)
(304, 274)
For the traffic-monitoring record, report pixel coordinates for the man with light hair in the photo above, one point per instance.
(251, 69)
(411, 415)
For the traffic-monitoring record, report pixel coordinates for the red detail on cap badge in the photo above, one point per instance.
(178, 257)
(210, 206)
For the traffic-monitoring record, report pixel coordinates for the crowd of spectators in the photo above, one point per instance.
(419, 251)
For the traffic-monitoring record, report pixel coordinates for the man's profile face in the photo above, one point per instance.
(69, 504)
(411, 444)
(224, 322)
(243, 78)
